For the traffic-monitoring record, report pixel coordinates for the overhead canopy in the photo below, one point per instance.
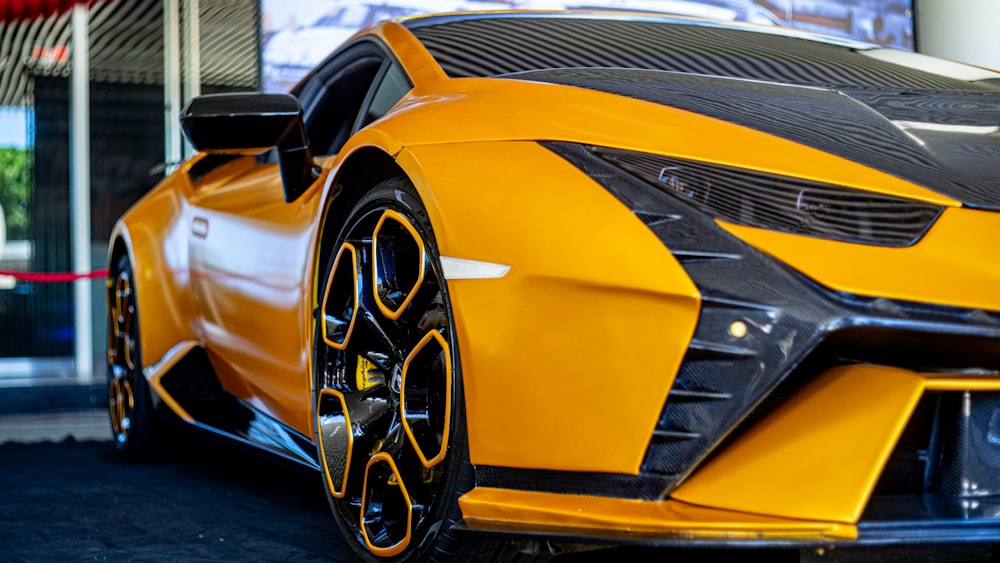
(126, 43)
(17, 10)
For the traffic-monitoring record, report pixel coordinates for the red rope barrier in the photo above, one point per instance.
(54, 277)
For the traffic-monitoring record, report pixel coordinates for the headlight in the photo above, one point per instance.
(780, 203)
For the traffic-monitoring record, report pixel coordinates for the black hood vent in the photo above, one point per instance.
(948, 141)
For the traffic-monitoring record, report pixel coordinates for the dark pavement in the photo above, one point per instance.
(66, 495)
(79, 501)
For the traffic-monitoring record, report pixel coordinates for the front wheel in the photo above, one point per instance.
(389, 411)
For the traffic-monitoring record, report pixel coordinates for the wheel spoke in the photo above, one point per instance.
(121, 348)
(426, 398)
(425, 312)
(376, 338)
(121, 403)
(395, 443)
(115, 404)
(372, 415)
(336, 439)
(386, 509)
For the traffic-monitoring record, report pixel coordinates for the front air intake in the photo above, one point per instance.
(780, 203)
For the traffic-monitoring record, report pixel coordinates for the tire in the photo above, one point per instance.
(390, 424)
(135, 429)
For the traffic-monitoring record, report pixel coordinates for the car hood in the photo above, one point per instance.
(947, 141)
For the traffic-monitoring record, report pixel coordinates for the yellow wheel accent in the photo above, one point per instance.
(383, 506)
(425, 398)
(397, 277)
(134, 424)
(122, 356)
(336, 440)
(341, 309)
(121, 402)
(121, 345)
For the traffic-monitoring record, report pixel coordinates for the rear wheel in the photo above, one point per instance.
(134, 426)
(389, 405)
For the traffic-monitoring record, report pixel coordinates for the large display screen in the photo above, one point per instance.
(298, 35)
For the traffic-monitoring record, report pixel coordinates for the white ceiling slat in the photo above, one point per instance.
(126, 46)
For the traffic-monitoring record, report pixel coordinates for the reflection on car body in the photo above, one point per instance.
(885, 22)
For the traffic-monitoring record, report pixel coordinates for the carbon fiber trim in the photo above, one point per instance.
(645, 487)
(970, 454)
(192, 382)
(930, 518)
(926, 540)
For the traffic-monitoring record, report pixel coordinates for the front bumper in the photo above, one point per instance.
(800, 413)
(806, 474)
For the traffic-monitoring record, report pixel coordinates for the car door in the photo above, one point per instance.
(250, 249)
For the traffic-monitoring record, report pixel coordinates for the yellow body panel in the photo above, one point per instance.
(482, 507)
(948, 382)
(956, 263)
(820, 455)
(250, 283)
(240, 289)
(585, 274)
(480, 109)
(418, 63)
(155, 235)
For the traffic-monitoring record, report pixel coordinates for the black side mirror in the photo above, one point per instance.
(252, 124)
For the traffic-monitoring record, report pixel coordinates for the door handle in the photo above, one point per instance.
(199, 227)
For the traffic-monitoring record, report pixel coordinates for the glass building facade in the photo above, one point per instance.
(127, 146)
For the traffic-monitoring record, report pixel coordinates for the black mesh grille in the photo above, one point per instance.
(781, 203)
(970, 456)
(643, 486)
(503, 45)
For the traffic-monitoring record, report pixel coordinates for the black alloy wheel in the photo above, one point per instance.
(389, 417)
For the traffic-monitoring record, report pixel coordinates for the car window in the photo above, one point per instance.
(347, 92)
(392, 87)
(333, 95)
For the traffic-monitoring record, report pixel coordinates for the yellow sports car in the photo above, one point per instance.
(587, 278)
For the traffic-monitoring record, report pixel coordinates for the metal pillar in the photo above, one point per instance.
(192, 53)
(171, 83)
(79, 193)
